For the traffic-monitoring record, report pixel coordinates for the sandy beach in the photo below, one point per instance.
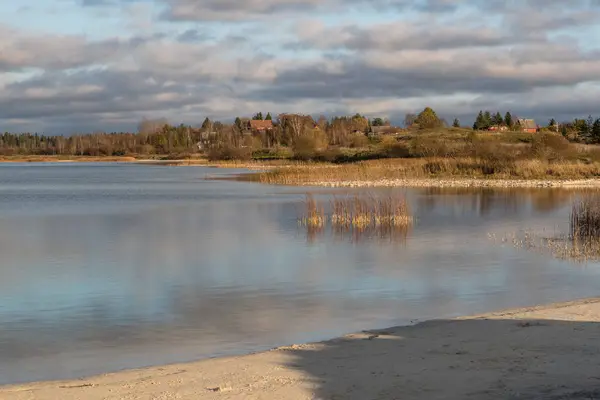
(546, 352)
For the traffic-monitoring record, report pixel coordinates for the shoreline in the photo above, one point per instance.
(459, 182)
(546, 351)
(257, 167)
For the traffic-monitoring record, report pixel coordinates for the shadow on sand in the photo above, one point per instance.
(457, 359)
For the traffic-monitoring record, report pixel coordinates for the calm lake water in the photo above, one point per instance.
(112, 266)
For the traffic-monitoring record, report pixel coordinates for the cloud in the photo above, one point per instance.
(186, 59)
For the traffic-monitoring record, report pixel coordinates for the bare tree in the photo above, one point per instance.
(296, 124)
(150, 126)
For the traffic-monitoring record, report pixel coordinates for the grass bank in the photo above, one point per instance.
(435, 171)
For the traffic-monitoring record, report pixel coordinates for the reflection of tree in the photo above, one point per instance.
(550, 199)
(482, 201)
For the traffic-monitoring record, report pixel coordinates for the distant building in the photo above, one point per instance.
(498, 128)
(384, 130)
(528, 125)
(207, 140)
(261, 125)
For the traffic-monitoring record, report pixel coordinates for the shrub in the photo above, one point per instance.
(425, 146)
(358, 140)
(305, 148)
(229, 152)
(552, 146)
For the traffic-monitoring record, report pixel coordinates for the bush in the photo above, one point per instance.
(305, 148)
(425, 146)
(358, 140)
(552, 146)
(229, 152)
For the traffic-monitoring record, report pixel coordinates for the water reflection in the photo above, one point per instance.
(166, 267)
(485, 200)
(384, 234)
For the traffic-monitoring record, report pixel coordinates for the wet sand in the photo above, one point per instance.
(546, 352)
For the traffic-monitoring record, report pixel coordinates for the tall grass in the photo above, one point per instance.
(358, 216)
(315, 214)
(580, 244)
(364, 211)
(585, 219)
(432, 167)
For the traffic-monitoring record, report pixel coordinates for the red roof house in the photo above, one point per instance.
(261, 125)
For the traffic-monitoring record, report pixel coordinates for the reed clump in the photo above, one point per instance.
(364, 211)
(358, 216)
(581, 243)
(315, 216)
(585, 219)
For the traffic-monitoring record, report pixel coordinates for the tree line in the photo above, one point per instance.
(296, 132)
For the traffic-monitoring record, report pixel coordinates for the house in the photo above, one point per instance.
(528, 125)
(207, 140)
(384, 130)
(498, 128)
(261, 125)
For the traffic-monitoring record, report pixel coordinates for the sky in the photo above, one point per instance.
(74, 66)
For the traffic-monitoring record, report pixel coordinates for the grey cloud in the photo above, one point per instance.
(499, 52)
(56, 52)
(233, 10)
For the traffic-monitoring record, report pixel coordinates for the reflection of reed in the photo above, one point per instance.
(388, 233)
(582, 243)
(359, 217)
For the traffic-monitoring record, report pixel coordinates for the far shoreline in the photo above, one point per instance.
(430, 355)
(258, 166)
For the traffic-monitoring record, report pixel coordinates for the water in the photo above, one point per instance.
(112, 266)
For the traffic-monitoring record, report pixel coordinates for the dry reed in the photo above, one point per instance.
(430, 167)
(364, 211)
(358, 216)
(315, 214)
(585, 219)
(580, 244)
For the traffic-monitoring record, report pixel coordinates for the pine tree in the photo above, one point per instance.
(498, 120)
(478, 125)
(377, 122)
(596, 131)
(258, 116)
(268, 117)
(508, 119)
(238, 123)
(206, 124)
(487, 120)
(456, 123)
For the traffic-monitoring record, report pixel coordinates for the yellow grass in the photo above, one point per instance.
(467, 167)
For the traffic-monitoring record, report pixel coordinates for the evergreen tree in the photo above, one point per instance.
(552, 123)
(596, 131)
(478, 125)
(456, 123)
(498, 120)
(377, 122)
(508, 119)
(487, 120)
(206, 124)
(582, 127)
(268, 117)
(238, 123)
(258, 116)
